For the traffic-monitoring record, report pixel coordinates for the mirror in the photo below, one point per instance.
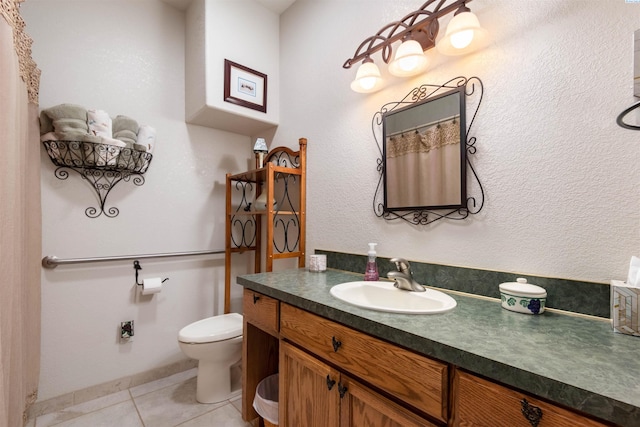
(424, 150)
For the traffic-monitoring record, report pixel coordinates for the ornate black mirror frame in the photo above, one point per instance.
(473, 91)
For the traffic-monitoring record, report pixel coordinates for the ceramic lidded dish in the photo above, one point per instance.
(523, 297)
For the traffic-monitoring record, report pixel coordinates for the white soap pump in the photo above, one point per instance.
(371, 272)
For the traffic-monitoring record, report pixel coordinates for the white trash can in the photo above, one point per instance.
(266, 400)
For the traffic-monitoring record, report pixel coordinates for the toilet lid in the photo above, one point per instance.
(216, 328)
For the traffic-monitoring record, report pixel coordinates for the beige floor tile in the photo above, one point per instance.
(163, 382)
(237, 402)
(121, 415)
(168, 402)
(54, 418)
(226, 416)
(170, 406)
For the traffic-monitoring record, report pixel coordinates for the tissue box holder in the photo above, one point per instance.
(624, 308)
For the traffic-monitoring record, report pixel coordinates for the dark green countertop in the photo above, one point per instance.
(575, 361)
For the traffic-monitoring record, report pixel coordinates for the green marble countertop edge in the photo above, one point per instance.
(572, 360)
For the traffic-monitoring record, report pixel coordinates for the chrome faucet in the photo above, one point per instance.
(404, 277)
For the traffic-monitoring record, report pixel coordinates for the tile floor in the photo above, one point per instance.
(167, 402)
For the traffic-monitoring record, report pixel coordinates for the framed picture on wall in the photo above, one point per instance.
(244, 86)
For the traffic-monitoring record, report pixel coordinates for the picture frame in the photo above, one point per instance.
(244, 86)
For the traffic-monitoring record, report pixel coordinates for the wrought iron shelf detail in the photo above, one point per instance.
(244, 222)
(286, 218)
(101, 165)
(473, 89)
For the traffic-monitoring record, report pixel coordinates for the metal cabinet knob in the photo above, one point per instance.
(532, 413)
(342, 389)
(330, 382)
(336, 343)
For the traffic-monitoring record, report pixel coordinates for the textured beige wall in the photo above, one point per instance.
(561, 178)
(127, 58)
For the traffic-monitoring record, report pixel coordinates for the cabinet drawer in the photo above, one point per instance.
(363, 407)
(479, 402)
(261, 311)
(412, 378)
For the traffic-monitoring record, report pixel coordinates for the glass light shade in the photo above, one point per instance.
(464, 34)
(368, 78)
(409, 60)
(260, 146)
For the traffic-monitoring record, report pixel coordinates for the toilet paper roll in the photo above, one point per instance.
(151, 286)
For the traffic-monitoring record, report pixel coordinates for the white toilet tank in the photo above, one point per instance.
(212, 329)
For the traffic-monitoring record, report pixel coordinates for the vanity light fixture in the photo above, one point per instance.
(368, 78)
(409, 60)
(417, 31)
(463, 34)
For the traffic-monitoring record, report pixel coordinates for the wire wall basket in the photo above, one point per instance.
(102, 165)
(83, 154)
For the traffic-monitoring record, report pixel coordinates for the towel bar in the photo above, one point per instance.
(52, 261)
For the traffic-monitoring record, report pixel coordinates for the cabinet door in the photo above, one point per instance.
(362, 407)
(478, 402)
(412, 378)
(308, 390)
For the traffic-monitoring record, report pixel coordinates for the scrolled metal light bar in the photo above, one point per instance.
(52, 261)
(621, 116)
(424, 31)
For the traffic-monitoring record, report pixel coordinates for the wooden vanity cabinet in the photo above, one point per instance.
(332, 375)
(479, 402)
(259, 345)
(410, 378)
(313, 394)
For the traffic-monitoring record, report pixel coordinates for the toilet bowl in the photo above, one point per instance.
(216, 342)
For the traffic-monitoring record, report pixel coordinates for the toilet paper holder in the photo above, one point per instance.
(136, 267)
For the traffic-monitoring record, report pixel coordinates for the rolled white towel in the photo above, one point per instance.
(113, 150)
(52, 149)
(125, 129)
(140, 147)
(100, 123)
(147, 137)
(111, 141)
(49, 136)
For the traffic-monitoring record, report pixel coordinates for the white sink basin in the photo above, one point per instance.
(383, 296)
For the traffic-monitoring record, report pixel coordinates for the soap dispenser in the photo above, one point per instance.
(371, 272)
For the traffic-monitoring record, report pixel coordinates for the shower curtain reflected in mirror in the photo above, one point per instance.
(423, 166)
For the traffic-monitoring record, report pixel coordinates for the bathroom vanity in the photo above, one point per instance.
(340, 365)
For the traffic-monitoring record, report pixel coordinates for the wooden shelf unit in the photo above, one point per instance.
(283, 177)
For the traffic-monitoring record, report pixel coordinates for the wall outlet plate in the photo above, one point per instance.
(126, 329)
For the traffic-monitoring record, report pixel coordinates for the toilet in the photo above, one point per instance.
(216, 342)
